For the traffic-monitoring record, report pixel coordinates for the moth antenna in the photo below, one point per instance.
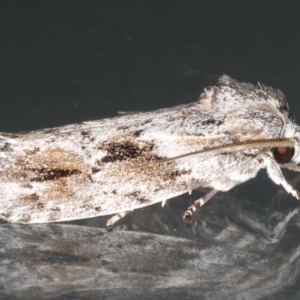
(267, 143)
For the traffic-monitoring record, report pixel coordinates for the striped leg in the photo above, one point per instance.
(187, 216)
(111, 221)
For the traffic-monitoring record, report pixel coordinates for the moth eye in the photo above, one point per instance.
(283, 154)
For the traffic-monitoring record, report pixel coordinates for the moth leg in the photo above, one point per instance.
(187, 216)
(294, 168)
(114, 219)
(276, 175)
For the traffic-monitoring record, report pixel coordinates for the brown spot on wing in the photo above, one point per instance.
(137, 133)
(6, 148)
(128, 150)
(212, 122)
(59, 170)
(136, 195)
(52, 174)
(47, 165)
(174, 174)
(30, 200)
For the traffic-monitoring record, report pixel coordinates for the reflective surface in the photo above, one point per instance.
(234, 250)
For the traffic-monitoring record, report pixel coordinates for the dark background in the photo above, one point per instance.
(67, 61)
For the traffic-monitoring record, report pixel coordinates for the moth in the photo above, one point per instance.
(116, 165)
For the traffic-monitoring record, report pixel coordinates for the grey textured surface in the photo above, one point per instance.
(251, 256)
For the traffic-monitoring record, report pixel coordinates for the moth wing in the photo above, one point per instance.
(85, 170)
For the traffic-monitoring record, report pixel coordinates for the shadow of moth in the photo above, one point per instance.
(113, 166)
